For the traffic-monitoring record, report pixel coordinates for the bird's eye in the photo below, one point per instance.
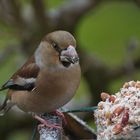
(56, 47)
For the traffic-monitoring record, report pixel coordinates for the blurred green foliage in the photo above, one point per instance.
(104, 32)
(55, 3)
(107, 30)
(20, 135)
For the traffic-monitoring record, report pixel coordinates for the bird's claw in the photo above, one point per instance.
(60, 114)
(45, 123)
(56, 126)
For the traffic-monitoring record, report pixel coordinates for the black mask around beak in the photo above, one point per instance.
(69, 55)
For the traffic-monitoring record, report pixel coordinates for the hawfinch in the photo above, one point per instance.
(48, 80)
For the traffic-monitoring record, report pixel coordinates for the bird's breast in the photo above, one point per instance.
(53, 90)
(57, 88)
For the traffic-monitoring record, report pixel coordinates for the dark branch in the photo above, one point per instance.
(70, 13)
(4, 12)
(39, 12)
(10, 12)
(137, 2)
(122, 70)
(99, 76)
(77, 128)
(95, 72)
(15, 12)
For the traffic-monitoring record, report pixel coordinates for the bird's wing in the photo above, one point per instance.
(24, 78)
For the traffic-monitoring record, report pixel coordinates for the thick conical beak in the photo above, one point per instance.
(69, 55)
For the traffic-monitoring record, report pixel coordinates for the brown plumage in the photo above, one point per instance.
(49, 79)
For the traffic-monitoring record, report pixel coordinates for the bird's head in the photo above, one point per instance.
(59, 47)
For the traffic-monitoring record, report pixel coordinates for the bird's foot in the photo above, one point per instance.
(61, 115)
(45, 123)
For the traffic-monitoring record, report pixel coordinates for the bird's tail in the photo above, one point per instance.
(6, 106)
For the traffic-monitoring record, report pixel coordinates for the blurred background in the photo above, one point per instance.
(108, 42)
